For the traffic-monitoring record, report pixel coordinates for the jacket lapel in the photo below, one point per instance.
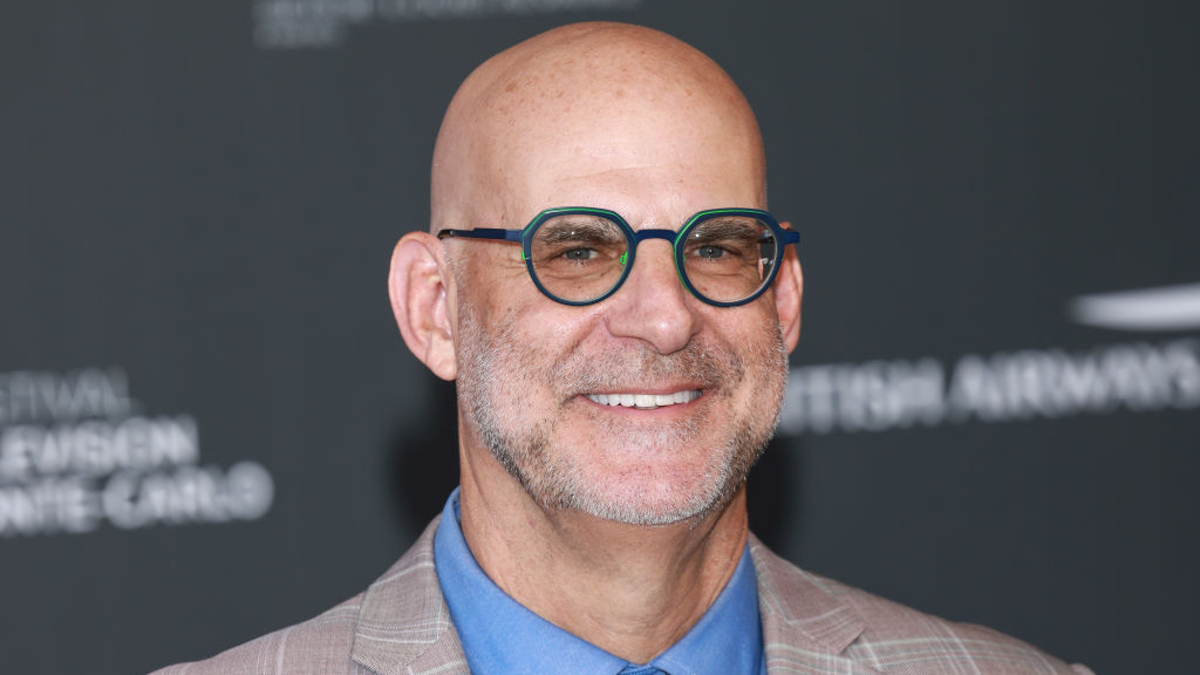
(404, 625)
(805, 628)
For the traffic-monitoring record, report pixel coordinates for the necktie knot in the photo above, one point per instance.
(640, 670)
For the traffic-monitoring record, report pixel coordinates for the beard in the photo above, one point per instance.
(504, 378)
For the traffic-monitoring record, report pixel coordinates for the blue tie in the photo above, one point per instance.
(640, 670)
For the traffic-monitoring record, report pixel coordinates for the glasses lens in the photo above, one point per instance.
(729, 258)
(579, 257)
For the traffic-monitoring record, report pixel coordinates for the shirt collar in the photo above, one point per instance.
(500, 636)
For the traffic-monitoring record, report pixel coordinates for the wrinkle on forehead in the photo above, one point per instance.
(587, 90)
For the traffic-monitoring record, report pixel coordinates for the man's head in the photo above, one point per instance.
(631, 120)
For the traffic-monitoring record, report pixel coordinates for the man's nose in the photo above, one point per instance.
(653, 305)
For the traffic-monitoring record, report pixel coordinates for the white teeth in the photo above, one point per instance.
(645, 401)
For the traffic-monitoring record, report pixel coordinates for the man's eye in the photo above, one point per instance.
(579, 254)
(711, 252)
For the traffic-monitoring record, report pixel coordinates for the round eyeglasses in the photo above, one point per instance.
(578, 255)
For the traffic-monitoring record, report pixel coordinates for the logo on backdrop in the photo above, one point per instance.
(1146, 309)
(1140, 376)
(77, 452)
(315, 24)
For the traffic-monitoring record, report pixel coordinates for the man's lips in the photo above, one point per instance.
(645, 401)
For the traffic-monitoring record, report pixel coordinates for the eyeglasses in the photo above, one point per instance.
(579, 255)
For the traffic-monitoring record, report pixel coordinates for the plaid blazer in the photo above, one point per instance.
(811, 626)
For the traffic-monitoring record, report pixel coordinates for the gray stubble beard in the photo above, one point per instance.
(492, 364)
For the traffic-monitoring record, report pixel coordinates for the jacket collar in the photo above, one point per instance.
(404, 626)
(806, 629)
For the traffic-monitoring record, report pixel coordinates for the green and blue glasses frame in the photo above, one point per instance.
(579, 255)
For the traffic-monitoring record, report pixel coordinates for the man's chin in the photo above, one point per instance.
(650, 504)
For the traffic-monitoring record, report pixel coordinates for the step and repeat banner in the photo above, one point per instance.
(210, 428)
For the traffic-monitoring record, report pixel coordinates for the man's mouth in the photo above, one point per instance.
(645, 401)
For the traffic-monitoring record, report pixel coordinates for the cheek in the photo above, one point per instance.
(542, 334)
(747, 330)
(760, 342)
(490, 274)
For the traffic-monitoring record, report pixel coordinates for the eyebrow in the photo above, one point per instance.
(728, 227)
(588, 230)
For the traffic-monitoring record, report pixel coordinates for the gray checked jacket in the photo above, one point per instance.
(811, 626)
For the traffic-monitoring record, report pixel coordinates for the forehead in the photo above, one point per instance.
(628, 136)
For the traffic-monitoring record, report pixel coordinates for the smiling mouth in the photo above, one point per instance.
(645, 401)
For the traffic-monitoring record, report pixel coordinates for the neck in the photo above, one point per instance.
(631, 590)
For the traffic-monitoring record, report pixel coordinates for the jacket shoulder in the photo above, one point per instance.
(890, 637)
(898, 636)
(399, 624)
(319, 646)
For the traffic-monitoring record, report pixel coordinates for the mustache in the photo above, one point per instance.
(699, 362)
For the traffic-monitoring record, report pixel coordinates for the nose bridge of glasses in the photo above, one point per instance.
(670, 236)
(638, 236)
(642, 235)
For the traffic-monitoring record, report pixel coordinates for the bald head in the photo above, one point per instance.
(584, 101)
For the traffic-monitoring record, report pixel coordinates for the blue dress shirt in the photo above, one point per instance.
(501, 637)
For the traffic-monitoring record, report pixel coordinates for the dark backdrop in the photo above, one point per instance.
(210, 428)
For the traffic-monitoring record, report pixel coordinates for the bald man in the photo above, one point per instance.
(603, 281)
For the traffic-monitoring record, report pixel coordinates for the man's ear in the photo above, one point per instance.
(789, 291)
(419, 284)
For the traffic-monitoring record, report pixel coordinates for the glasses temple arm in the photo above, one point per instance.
(482, 233)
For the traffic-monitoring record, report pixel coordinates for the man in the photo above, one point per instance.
(616, 382)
